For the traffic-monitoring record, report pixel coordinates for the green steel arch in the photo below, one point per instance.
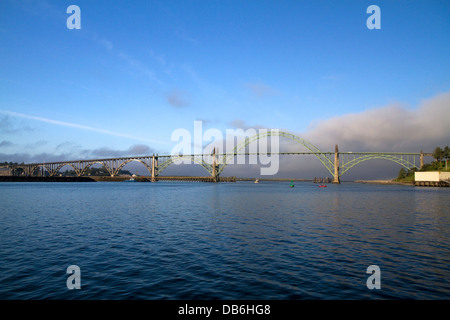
(313, 149)
(391, 157)
(195, 159)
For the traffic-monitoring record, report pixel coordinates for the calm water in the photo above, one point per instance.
(174, 240)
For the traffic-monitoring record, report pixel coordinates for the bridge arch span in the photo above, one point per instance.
(38, 166)
(90, 164)
(171, 160)
(327, 162)
(120, 166)
(366, 157)
(62, 165)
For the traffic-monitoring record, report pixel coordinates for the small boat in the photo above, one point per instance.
(130, 180)
(322, 186)
(256, 181)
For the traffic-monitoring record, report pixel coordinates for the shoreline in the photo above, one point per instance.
(45, 179)
(112, 179)
(274, 179)
(145, 179)
(385, 182)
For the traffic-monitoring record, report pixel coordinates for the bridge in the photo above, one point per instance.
(336, 162)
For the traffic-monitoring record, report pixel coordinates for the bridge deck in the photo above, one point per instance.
(222, 155)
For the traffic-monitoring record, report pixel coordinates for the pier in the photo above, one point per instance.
(431, 183)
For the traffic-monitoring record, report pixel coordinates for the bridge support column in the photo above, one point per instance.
(214, 171)
(336, 165)
(78, 167)
(113, 167)
(421, 159)
(154, 167)
(10, 171)
(28, 171)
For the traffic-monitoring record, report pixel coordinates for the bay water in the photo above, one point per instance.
(187, 240)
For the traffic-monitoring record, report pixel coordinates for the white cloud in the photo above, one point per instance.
(389, 128)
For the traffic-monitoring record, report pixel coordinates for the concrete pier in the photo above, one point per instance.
(336, 165)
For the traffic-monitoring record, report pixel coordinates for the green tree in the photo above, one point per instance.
(438, 154)
(401, 174)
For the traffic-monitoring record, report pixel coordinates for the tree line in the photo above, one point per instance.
(6, 163)
(94, 172)
(440, 154)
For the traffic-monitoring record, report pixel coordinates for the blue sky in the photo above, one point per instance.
(138, 70)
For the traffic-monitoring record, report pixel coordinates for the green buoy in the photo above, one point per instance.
(292, 184)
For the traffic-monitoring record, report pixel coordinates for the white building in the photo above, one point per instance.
(431, 176)
(432, 179)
